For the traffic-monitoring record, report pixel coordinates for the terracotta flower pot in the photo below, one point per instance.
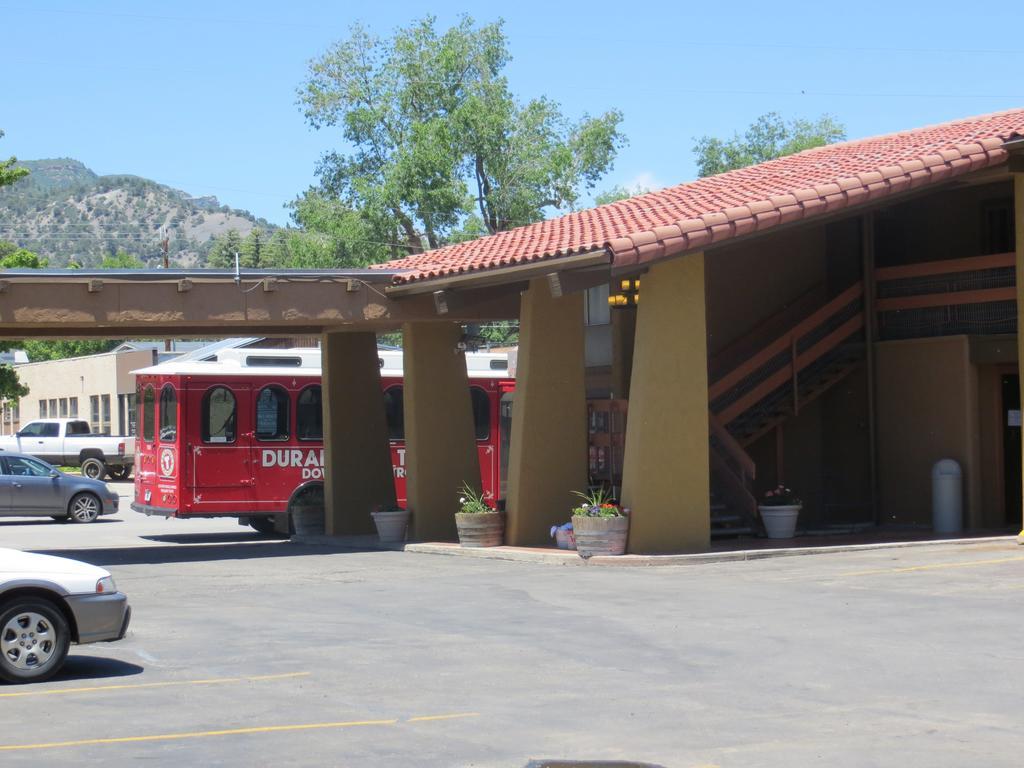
(600, 535)
(481, 529)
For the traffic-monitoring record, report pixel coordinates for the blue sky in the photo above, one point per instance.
(201, 95)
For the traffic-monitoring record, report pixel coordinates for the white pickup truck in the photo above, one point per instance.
(68, 442)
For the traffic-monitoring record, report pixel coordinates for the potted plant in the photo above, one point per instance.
(479, 525)
(779, 510)
(600, 526)
(391, 523)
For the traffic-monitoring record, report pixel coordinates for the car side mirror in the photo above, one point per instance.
(54, 474)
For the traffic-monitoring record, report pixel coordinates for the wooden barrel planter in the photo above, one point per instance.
(482, 529)
(600, 535)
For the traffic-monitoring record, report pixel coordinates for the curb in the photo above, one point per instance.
(562, 557)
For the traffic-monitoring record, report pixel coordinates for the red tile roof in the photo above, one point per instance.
(714, 209)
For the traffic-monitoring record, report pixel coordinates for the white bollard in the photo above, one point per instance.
(947, 497)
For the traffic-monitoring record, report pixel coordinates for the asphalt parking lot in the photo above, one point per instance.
(246, 651)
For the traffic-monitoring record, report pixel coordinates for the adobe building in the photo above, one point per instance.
(837, 320)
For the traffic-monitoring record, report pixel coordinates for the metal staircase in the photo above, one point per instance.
(771, 386)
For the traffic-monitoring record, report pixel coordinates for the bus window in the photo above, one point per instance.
(148, 414)
(309, 414)
(168, 414)
(481, 413)
(504, 442)
(272, 414)
(219, 416)
(394, 408)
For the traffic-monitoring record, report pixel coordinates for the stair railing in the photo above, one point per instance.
(734, 466)
(782, 360)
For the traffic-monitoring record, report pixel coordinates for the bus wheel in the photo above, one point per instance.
(94, 468)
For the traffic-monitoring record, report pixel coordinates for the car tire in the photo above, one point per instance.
(39, 624)
(84, 508)
(94, 469)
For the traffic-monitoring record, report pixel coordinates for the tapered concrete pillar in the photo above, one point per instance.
(440, 443)
(665, 478)
(1018, 218)
(548, 450)
(357, 456)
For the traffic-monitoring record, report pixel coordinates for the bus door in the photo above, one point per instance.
(483, 427)
(219, 444)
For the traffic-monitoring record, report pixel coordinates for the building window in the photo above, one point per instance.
(105, 400)
(94, 413)
(997, 234)
(481, 412)
(42, 409)
(73, 408)
(272, 414)
(148, 415)
(309, 414)
(596, 310)
(131, 405)
(219, 416)
(168, 414)
(394, 409)
(63, 407)
(53, 408)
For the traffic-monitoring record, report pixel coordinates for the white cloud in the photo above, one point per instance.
(643, 182)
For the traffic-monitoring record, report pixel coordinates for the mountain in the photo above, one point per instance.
(65, 212)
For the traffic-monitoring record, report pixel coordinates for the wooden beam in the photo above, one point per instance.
(949, 299)
(945, 267)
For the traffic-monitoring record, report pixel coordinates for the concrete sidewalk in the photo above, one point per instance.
(754, 549)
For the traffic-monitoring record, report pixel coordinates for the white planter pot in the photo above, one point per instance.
(780, 522)
(391, 524)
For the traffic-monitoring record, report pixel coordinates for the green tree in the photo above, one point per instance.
(222, 254)
(617, 193)
(13, 257)
(37, 349)
(436, 134)
(767, 138)
(253, 251)
(8, 173)
(121, 260)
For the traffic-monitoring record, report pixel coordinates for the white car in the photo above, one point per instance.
(47, 603)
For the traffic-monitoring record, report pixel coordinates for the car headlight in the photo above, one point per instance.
(106, 585)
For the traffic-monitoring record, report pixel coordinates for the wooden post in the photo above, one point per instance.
(867, 241)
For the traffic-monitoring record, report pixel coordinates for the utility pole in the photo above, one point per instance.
(167, 265)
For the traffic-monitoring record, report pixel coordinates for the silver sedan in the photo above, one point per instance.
(30, 487)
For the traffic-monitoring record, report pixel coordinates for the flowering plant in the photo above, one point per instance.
(472, 502)
(596, 503)
(781, 496)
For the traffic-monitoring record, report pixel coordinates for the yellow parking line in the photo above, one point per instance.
(426, 718)
(935, 566)
(225, 732)
(165, 684)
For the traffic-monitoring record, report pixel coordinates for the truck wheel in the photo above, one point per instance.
(120, 473)
(34, 639)
(84, 508)
(94, 468)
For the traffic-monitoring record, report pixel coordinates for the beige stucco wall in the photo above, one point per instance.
(927, 410)
(80, 377)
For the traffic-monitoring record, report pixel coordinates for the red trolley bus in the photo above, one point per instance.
(242, 436)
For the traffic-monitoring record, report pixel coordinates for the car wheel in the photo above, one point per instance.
(34, 639)
(84, 508)
(94, 469)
